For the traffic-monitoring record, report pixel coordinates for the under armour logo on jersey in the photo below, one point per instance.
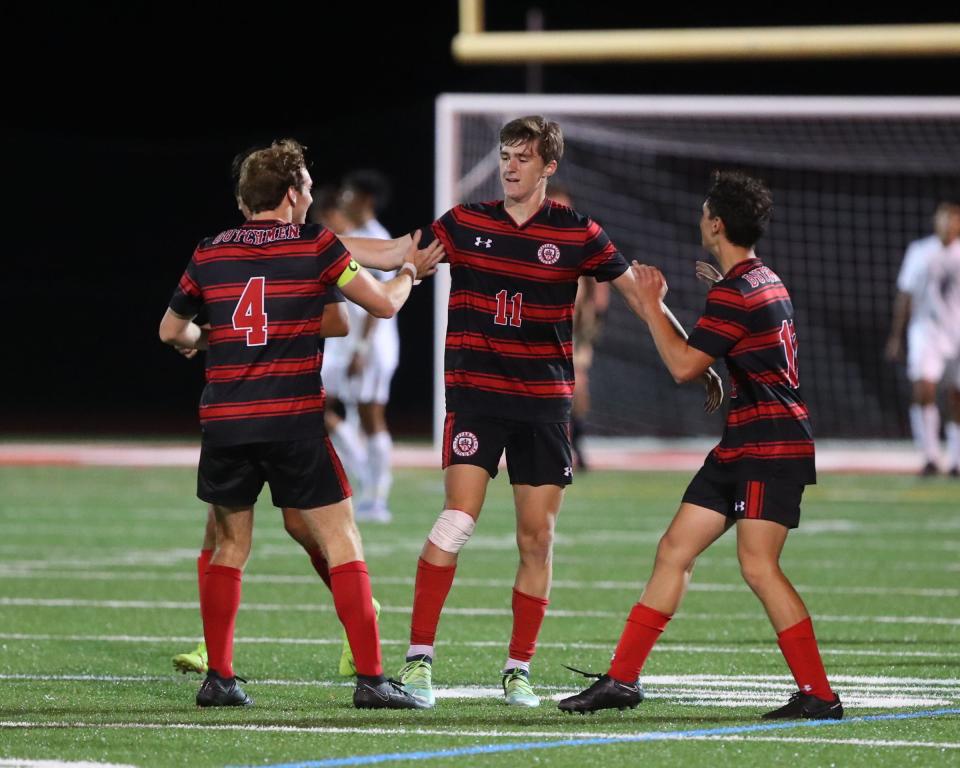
(485, 243)
(568, 471)
(740, 506)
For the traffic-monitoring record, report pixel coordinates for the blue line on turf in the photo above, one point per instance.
(487, 749)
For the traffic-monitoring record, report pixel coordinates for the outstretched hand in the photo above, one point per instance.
(650, 286)
(714, 386)
(708, 273)
(426, 259)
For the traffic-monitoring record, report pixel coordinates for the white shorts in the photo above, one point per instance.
(371, 386)
(929, 355)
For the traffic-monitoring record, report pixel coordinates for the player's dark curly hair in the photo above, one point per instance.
(267, 174)
(743, 203)
(547, 133)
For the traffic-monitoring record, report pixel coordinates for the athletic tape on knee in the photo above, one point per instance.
(452, 530)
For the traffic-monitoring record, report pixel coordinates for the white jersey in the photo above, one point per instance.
(931, 275)
(384, 353)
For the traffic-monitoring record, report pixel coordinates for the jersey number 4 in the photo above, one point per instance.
(249, 314)
(516, 307)
(788, 340)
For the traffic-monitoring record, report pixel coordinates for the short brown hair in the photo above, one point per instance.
(267, 174)
(537, 128)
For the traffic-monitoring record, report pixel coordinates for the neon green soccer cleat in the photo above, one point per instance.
(416, 677)
(516, 689)
(347, 668)
(193, 661)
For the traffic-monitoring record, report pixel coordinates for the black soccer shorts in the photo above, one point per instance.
(302, 474)
(537, 453)
(774, 500)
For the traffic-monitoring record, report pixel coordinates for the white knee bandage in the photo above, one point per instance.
(452, 530)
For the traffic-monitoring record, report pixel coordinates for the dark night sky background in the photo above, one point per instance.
(124, 123)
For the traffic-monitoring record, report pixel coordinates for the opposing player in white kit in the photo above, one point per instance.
(358, 369)
(928, 307)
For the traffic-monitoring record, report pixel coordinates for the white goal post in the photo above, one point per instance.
(636, 162)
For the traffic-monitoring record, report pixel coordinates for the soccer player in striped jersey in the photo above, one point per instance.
(261, 412)
(334, 322)
(514, 267)
(754, 479)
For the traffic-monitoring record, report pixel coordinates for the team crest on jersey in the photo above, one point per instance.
(548, 253)
(465, 444)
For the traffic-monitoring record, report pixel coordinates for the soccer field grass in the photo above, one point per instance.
(98, 591)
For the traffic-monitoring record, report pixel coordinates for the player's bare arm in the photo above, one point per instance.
(385, 299)
(385, 255)
(335, 321)
(898, 327)
(181, 332)
(696, 364)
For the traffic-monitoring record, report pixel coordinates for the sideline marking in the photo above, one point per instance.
(625, 739)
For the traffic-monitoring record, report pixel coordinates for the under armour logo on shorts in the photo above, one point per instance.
(568, 471)
(740, 506)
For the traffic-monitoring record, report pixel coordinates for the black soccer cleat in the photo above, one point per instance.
(386, 694)
(929, 470)
(219, 691)
(805, 706)
(606, 693)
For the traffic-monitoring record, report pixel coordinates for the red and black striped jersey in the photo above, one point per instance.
(509, 345)
(748, 321)
(263, 286)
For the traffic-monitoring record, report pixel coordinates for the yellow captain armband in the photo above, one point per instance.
(352, 270)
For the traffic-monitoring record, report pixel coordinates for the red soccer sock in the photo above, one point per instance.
(642, 630)
(350, 584)
(429, 594)
(528, 613)
(203, 562)
(219, 604)
(799, 647)
(320, 565)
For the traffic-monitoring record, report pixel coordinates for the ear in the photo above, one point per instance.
(549, 169)
(292, 195)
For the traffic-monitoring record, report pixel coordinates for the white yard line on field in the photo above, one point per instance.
(155, 605)
(662, 647)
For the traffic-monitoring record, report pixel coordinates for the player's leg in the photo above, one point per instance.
(377, 475)
(229, 478)
(472, 447)
(345, 437)
(334, 532)
(582, 361)
(300, 532)
(540, 465)
(220, 603)
(465, 489)
(925, 367)
(196, 660)
(953, 424)
(308, 482)
(537, 508)
(701, 519)
(769, 511)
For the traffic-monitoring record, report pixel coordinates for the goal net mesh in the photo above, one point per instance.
(850, 192)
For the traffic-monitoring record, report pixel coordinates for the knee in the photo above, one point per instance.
(672, 553)
(757, 571)
(297, 530)
(535, 543)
